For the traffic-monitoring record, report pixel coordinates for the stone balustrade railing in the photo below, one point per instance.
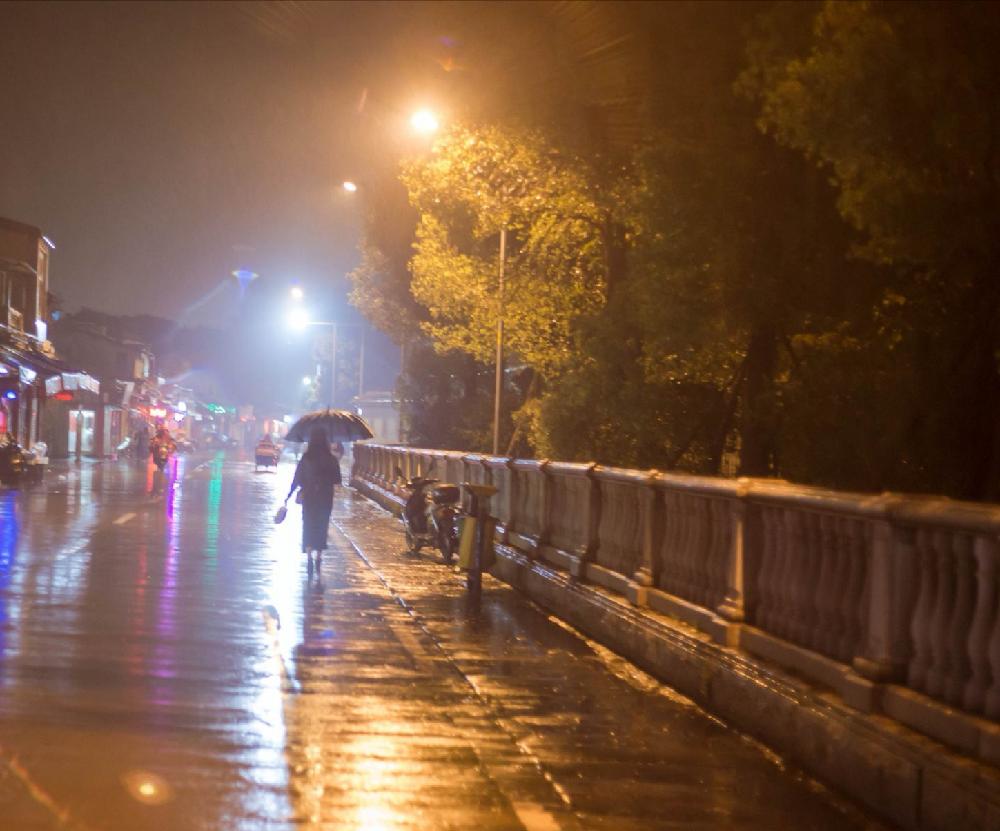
(872, 595)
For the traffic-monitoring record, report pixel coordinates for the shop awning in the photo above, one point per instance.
(57, 375)
(71, 382)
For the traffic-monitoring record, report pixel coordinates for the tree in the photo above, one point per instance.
(897, 103)
(477, 181)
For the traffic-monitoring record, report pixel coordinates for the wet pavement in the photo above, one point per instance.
(167, 662)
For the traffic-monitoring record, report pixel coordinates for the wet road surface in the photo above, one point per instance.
(166, 662)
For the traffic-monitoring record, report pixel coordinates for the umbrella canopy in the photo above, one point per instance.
(340, 425)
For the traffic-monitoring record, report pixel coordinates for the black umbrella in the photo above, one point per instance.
(340, 425)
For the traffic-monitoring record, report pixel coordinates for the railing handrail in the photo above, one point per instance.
(897, 587)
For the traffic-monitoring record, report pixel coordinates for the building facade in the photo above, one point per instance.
(27, 358)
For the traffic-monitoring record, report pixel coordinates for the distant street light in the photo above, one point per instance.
(298, 318)
(350, 186)
(424, 121)
(244, 277)
(306, 381)
(297, 293)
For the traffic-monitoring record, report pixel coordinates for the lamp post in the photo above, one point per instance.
(298, 318)
(498, 391)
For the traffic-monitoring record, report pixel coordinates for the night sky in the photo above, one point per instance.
(162, 145)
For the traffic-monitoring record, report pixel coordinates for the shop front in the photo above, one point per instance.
(75, 417)
(22, 393)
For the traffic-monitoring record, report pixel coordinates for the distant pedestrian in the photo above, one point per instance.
(316, 476)
(140, 442)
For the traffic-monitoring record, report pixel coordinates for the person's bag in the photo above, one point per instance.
(279, 517)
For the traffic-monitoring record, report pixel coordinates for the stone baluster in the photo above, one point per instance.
(941, 610)
(811, 539)
(782, 577)
(517, 497)
(840, 580)
(700, 550)
(384, 467)
(920, 628)
(852, 601)
(988, 555)
(692, 532)
(498, 468)
(957, 635)
(795, 575)
(825, 540)
(889, 602)
(984, 624)
(665, 565)
(668, 545)
(682, 508)
(798, 568)
(358, 462)
(776, 520)
(718, 550)
(763, 582)
(528, 510)
(836, 582)
(820, 540)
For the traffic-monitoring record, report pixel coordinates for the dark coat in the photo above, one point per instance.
(316, 475)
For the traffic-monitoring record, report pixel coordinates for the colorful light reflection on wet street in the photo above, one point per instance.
(166, 662)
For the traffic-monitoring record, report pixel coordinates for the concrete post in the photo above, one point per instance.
(892, 585)
(645, 576)
(733, 606)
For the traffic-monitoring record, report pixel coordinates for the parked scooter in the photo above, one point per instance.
(430, 515)
(13, 461)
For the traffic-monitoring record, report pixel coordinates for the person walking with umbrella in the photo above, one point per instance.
(316, 475)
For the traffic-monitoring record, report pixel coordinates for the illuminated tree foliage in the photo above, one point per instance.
(475, 182)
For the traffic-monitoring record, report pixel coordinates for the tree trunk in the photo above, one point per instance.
(757, 428)
(615, 256)
(981, 404)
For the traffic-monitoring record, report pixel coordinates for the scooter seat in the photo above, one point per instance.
(446, 494)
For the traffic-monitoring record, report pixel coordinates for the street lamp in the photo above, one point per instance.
(424, 122)
(298, 318)
(297, 293)
(306, 381)
(350, 186)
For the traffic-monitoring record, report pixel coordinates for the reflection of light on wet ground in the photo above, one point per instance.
(9, 607)
(163, 665)
(376, 818)
(55, 522)
(213, 503)
(147, 788)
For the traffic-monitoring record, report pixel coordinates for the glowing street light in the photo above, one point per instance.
(424, 121)
(297, 293)
(306, 381)
(298, 318)
(350, 186)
